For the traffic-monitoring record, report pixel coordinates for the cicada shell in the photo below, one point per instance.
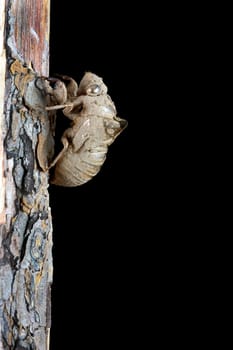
(93, 129)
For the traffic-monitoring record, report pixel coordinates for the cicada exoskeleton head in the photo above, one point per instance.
(92, 85)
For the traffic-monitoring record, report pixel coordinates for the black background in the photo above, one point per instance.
(118, 240)
(122, 242)
(96, 232)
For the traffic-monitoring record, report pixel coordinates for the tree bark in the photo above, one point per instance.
(25, 145)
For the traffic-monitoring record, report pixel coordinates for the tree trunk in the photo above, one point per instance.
(25, 146)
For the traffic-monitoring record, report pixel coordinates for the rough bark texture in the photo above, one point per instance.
(25, 220)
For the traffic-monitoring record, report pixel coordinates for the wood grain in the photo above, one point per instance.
(31, 32)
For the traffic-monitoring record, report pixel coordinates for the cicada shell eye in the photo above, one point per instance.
(94, 90)
(91, 85)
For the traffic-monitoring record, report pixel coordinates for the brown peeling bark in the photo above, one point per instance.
(25, 220)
